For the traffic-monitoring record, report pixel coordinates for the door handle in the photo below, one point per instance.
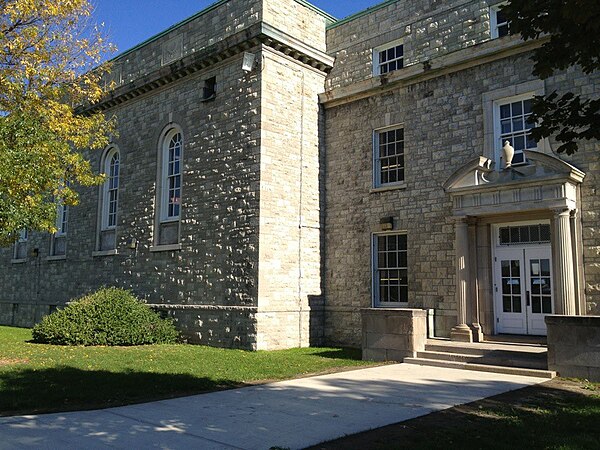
(527, 297)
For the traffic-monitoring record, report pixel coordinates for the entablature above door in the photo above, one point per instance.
(543, 183)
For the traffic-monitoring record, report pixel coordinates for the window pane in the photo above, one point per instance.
(519, 143)
(517, 109)
(391, 271)
(517, 124)
(504, 111)
(516, 304)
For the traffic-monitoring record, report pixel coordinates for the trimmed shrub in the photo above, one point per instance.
(109, 316)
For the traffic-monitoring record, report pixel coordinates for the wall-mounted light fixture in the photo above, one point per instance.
(132, 243)
(386, 223)
(248, 61)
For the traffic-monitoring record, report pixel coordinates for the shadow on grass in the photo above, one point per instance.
(341, 353)
(254, 417)
(536, 417)
(69, 389)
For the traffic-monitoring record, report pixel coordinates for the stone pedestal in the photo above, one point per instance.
(392, 334)
(573, 346)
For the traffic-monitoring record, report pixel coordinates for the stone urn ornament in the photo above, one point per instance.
(508, 152)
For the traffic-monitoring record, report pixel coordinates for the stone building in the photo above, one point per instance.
(277, 171)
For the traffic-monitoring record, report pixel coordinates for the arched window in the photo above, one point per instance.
(111, 190)
(108, 202)
(171, 182)
(169, 187)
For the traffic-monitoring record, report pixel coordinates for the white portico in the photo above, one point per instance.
(518, 245)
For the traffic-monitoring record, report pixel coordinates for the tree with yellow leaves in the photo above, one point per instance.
(49, 69)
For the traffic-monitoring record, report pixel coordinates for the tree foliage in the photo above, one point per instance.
(49, 57)
(573, 27)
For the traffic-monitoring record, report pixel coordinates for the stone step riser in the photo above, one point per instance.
(482, 367)
(522, 361)
(482, 352)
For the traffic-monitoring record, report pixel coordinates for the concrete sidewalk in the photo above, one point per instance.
(294, 413)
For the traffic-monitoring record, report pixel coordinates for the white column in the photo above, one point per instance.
(565, 280)
(462, 332)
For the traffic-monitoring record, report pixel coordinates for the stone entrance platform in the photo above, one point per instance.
(526, 356)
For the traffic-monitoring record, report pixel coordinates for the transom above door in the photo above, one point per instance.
(523, 281)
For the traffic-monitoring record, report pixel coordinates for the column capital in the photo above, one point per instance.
(461, 220)
(562, 212)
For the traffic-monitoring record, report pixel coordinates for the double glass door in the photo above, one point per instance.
(523, 289)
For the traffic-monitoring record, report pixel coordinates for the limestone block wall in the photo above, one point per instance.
(213, 24)
(573, 349)
(427, 28)
(443, 126)
(588, 160)
(299, 20)
(217, 264)
(209, 26)
(290, 213)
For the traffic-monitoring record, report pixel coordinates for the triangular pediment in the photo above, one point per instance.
(540, 168)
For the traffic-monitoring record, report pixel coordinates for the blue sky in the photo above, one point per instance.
(129, 22)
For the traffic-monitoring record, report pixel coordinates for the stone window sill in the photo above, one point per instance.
(165, 248)
(100, 253)
(56, 258)
(18, 261)
(393, 187)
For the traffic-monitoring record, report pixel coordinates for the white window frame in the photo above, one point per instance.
(494, 25)
(165, 176)
(376, 301)
(377, 63)
(498, 140)
(490, 123)
(62, 220)
(377, 183)
(107, 189)
(22, 240)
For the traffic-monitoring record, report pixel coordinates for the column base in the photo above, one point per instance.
(477, 333)
(461, 333)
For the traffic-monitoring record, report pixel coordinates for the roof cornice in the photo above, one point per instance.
(260, 33)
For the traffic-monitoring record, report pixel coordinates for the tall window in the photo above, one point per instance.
(62, 217)
(390, 270)
(513, 125)
(172, 175)
(388, 156)
(170, 186)
(108, 206)
(388, 58)
(58, 242)
(111, 190)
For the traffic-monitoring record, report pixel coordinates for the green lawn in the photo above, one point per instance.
(43, 378)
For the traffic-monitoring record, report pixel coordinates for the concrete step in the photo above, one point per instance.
(486, 349)
(481, 367)
(511, 359)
